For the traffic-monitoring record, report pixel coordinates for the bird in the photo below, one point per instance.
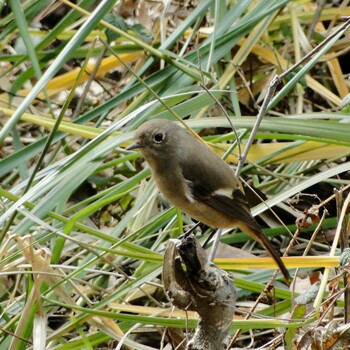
(193, 178)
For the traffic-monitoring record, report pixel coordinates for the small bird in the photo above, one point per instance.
(197, 181)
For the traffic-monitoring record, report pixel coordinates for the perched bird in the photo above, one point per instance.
(196, 181)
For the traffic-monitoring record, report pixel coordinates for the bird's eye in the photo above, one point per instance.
(159, 137)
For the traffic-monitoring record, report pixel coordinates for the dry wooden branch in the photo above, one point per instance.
(192, 282)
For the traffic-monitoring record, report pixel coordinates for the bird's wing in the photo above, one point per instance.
(231, 202)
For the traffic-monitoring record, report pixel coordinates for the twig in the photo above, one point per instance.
(272, 88)
(344, 244)
(267, 289)
(214, 247)
(227, 117)
(270, 92)
(316, 17)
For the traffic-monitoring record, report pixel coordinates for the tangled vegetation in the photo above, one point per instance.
(83, 227)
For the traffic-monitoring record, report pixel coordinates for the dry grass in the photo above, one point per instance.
(83, 231)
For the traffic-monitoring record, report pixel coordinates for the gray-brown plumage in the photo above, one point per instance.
(198, 182)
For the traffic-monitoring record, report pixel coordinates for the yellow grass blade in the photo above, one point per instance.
(290, 262)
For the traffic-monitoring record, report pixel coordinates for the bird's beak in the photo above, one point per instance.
(135, 145)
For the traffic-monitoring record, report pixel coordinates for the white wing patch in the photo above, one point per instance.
(227, 192)
(188, 190)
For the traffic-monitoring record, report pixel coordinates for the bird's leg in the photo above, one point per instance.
(215, 245)
(216, 242)
(211, 235)
(188, 232)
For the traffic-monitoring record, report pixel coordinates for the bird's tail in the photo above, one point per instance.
(259, 236)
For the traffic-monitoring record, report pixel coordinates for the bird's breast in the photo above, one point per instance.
(174, 187)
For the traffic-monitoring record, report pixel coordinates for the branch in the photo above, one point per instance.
(202, 287)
